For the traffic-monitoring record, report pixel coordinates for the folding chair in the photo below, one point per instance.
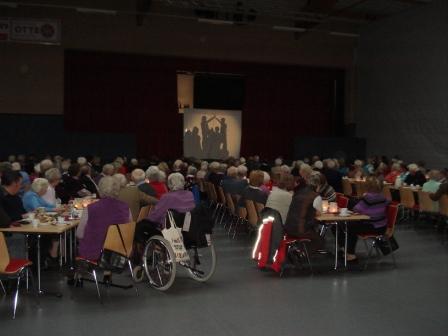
(407, 200)
(119, 239)
(144, 212)
(14, 269)
(347, 189)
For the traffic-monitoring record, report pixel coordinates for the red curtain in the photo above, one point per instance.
(137, 94)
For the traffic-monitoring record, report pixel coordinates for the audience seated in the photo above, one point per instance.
(214, 176)
(71, 186)
(280, 197)
(394, 173)
(87, 180)
(108, 170)
(156, 179)
(138, 176)
(53, 177)
(415, 176)
(253, 191)
(10, 200)
(333, 176)
(33, 198)
(325, 190)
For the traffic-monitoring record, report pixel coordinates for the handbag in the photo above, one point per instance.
(173, 235)
(383, 245)
(113, 261)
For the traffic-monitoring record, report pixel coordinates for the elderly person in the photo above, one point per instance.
(356, 171)
(138, 176)
(33, 198)
(306, 203)
(10, 200)
(332, 174)
(415, 176)
(71, 186)
(203, 171)
(214, 176)
(132, 196)
(372, 204)
(44, 166)
(177, 199)
(26, 181)
(325, 190)
(87, 180)
(433, 184)
(156, 179)
(266, 187)
(280, 197)
(394, 173)
(108, 170)
(53, 176)
(98, 216)
(305, 171)
(253, 191)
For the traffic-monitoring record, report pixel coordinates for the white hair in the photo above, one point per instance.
(358, 163)
(52, 174)
(109, 187)
(242, 170)
(223, 167)
(39, 185)
(278, 161)
(318, 164)
(331, 164)
(266, 177)
(242, 160)
(396, 166)
(152, 173)
(177, 164)
(161, 176)
(232, 171)
(412, 167)
(37, 168)
(134, 161)
(81, 160)
(285, 169)
(45, 165)
(138, 175)
(204, 165)
(214, 165)
(192, 170)
(305, 170)
(176, 181)
(122, 181)
(108, 169)
(16, 166)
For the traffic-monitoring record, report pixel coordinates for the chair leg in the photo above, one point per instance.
(16, 298)
(392, 253)
(33, 285)
(97, 287)
(308, 258)
(3, 287)
(132, 275)
(369, 255)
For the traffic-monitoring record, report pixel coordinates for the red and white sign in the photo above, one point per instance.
(4, 29)
(41, 31)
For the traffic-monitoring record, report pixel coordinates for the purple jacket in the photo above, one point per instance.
(180, 200)
(373, 205)
(101, 215)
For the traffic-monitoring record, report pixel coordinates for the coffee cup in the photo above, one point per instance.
(61, 220)
(31, 216)
(344, 212)
(35, 222)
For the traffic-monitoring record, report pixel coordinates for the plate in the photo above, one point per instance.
(45, 223)
(346, 215)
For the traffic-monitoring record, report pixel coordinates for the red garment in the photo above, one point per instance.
(392, 176)
(123, 170)
(159, 187)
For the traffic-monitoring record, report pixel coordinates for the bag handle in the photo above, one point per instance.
(171, 219)
(122, 240)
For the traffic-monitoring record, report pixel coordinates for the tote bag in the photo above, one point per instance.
(173, 235)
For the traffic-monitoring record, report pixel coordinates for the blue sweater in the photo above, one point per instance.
(32, 201)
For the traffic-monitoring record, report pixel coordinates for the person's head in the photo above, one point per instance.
(81, 160)
(413, 168)
(177, 165)
(434, 175)
(152, 173)
(108, 169)
(286, 182)
(374, 185)
(134, 162)
(285, 169)
(109, 186)
(214, 167)
(192, 170)
(86, 170)
(315, 158)
(318, 165)
(305, 170)
(242, 160)
(232, 172)
(65, 165)
(11, 181)
(11, 158)
(45, 165)
(16, 166)
(161, 176)
(278, 162)
(53, 176)
(40, 186)
(163, 166)
(256, 178)
(122, 181)
(396, 167)
(313, 181)
(138, 175)
(331, 164)
(242, 171)
(223, 167)
(358, 164)
(176, 181)
(74, 170)
(204, 165)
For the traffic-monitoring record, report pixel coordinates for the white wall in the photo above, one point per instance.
(402, 85)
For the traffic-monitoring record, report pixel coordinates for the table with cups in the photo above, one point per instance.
(64, 225)
(332, 215)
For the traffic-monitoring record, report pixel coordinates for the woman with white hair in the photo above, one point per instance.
(98, 216)
(33, 198)
(177, 199)
(138, 176)
(53, 177)
(156, 179)
(202, 173)
(394, 173)
(415, 176)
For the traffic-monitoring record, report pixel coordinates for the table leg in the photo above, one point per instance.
(336, 248)
(60, 251)
(38, 265)
(71, 246)
(27, 258)
(346, 238)
(65, 246)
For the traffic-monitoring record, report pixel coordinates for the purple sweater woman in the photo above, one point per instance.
(374, 205)
(97, 218)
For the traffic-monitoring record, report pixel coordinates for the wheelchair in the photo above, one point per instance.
(159, 264)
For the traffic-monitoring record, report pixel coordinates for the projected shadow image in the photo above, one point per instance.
(213, 143)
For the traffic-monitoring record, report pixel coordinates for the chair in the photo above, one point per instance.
(119, 239)
(252, 214)
(223, 201)
(407, 200)
(347, 189)
(341, 200)
(392, 211)
(144, 212)
(426, 204)
(360, 188)
(14, 269)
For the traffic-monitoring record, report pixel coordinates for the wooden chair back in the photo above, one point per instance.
(211, 191)
(4, 254)
(347, 187)
(123, 244)
(221, 196)
(252, 216)
(201, 185)
(259, 207)
(425, 203)
(242, 212)
(392, 211)
(386, 192)
(341, 200)
(407, 198)
(360, 188)
(144, 212)
(443, 205)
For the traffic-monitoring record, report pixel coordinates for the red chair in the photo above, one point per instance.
(14, 269)
(392, 211)
(285, 247)
(341, 200)
(260, 253)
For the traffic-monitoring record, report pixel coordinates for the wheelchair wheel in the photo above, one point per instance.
(139, 273)
(159, 262)
(202, 263)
